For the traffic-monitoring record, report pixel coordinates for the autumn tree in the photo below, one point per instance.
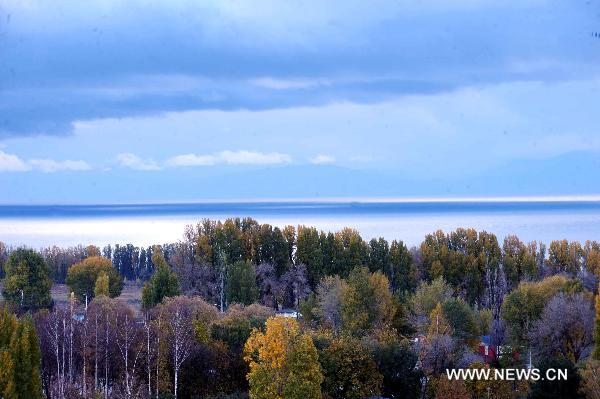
(20, 358)
(439, 325)
(565, 256)
(426, 298)
(81, 277)
(92, 250)
(591, 257)
(518, 261)
(102, 286)
(367, 302)
(162, 284)
(494, 389)
(451, 389)
(590, 379)
(27, 282)
(283, 362)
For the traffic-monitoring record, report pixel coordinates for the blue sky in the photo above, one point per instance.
(104, 101)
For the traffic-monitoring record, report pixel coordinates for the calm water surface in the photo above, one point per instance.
(409, 221)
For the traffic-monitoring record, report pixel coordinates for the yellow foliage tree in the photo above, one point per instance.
(102, 285)
(439, 325)
(283, 362)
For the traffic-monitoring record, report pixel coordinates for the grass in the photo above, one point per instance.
(131, 294)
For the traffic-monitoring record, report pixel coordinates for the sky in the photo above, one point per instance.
(111, 101)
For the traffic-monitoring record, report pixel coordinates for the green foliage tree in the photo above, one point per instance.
(349, 370)
(565, 256)
(426, 298)
(82, 277)
(102, 286)
(241, 283)
(272, 248)
(309, 252)
(3, 258)
(462, 319)
(26, 354)
(462, 257)
(20, 358)
(366, 302)
(237, 324)
(349, 251)
(8, 325)
(401, 271)
(284, 363)
(379, 255)
(518, 261)
(397, 362)
(162, 284)
(27, 280)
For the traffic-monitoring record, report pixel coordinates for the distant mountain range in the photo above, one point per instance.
(571, 174)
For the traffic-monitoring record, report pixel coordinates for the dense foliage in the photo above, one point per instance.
(20, 358)
(82, 277)
(162, 284)
(375, 317)
(26, 283)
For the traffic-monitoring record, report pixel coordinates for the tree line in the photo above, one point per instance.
(377, 318)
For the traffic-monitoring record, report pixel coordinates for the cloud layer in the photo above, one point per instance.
(12, 163)
(71, 62)
(454, 90)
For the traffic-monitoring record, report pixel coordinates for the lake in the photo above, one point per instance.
(146, 224)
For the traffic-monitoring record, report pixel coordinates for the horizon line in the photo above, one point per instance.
(456, 199)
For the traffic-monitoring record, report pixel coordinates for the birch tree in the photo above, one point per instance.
(127, 340)
(179, 314)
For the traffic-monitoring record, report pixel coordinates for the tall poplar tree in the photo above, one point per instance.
(20, 358)
(163, 282)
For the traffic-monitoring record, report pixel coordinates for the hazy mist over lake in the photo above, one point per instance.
(37, 226)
